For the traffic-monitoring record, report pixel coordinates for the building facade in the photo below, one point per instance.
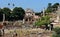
(29, 16)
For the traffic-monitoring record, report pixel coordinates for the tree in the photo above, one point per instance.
(6, 11)
(38, 13)
(1, 11)
(49, 5)
(49, 8)
(55, 6)
(19, 13)
(44, 20)
(57, 32)
(52, 8)
(1, 15)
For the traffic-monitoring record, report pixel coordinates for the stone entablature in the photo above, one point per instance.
(29, 12)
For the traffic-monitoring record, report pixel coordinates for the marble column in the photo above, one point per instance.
(3, 18)
(43, 12)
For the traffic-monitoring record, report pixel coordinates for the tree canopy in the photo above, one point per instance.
(52, 8)
(19, 12)
(16, 14)
(57, 32)
(1, 16)
(6, 11)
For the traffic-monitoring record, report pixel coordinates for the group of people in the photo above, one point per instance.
(49, 27)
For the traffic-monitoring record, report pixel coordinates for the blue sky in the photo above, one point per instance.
(36, 5)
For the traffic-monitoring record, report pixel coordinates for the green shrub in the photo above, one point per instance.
(57, 30)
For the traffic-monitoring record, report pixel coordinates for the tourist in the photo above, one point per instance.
(51, 26)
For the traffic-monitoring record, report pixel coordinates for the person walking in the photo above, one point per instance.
(51, 27)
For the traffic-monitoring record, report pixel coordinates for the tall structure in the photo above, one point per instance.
(29, 16)
(3, 17)
(43, 12)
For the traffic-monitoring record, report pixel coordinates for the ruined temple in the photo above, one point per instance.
(29, 16)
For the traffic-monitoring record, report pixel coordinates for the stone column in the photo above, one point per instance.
(3, 18)
(43, 12)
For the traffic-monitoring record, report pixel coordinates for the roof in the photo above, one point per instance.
(29, 10)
